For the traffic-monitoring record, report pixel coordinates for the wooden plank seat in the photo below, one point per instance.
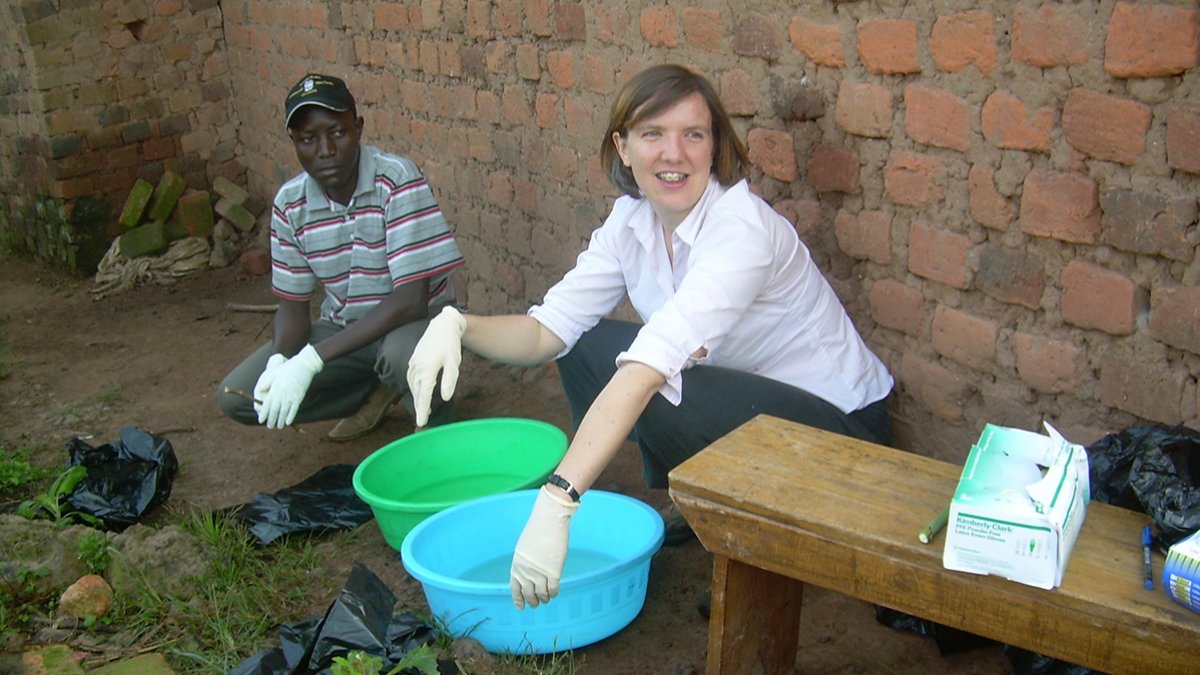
(781, 504)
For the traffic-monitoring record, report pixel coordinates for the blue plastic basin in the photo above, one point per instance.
(462, 556)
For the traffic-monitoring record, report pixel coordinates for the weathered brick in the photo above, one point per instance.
(804, 214)
(1148, 222)
(1063, 206)
(935, 387)
(166, 193)
(939, 255)
(1175, 316)
(1048, 365)
(1008, 123)
(515, 106)
(1106, 127)
(755, 35)
(896, 306)
(195, 213)
(1010, 275)
(988, 206)
(833, 169)
(562, 68)
(659, 27)
(964, 38)
(774, 152)
(143, 240)
(888, 46)
(135, 204)
(508, 17)
(598, 76)
(1183, 138)
(1142, 383)
(529, 66)
(227, 188)
(174, 230)
(821, 43)
(570, 21)
(866, 235)
(1146, 40)
(235, 213)
(479, 18)
(864, 109)
(702, 29)
(965, 338)
(546, 110)
(737, 92)
(1098, 298)
(255, 262)
(936, 117)
(911, 179)
(1053, 35)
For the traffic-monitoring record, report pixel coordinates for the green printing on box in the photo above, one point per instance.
(135, 204)
(1018, 507)
(195, 213)
(170, 186)
(147, 239)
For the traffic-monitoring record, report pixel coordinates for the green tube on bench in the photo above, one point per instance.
(939, 521)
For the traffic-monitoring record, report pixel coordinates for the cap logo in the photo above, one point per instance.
(309, 85)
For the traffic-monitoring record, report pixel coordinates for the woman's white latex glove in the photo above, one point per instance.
(542, 550)
(287, 388)
(264, 381)
(438, 350)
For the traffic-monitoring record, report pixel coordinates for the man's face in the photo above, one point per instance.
(327, 145)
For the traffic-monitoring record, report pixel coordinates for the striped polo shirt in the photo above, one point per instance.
(390, 233)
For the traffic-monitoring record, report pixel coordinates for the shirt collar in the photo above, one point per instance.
(316, 197)
(645, 226)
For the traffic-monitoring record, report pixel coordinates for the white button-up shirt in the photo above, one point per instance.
(742, 286)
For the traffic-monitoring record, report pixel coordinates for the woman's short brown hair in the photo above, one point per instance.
(649, 93)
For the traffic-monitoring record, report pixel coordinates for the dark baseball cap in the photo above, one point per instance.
(326, 91)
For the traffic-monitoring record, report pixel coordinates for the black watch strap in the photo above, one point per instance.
(560, 482)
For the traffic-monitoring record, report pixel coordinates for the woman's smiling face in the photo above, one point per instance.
(671, 156)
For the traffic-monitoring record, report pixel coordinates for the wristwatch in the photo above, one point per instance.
(560, 482)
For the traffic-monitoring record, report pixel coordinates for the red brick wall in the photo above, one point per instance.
(1003, 194)
(107, 91)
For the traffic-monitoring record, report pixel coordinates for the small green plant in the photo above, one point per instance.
(49, 504)
(423, 659)
(21, 597)
(16, 469)
(93, 552)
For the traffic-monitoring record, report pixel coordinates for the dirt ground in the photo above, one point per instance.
(153, 357)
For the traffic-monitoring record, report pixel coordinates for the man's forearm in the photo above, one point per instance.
(403, 305)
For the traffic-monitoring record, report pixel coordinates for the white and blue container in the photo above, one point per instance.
(462, 557)
(1181, 572)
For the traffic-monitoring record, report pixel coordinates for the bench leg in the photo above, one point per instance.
(754, 625)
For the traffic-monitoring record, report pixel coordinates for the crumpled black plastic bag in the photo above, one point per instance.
(360, 619)
(948, 640)
(324, 501)
(124, 480)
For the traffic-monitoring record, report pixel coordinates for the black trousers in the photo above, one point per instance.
(715, 402)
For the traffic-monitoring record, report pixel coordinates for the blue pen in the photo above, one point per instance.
(1146, 539)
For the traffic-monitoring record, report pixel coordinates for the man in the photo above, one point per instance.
(365, 225)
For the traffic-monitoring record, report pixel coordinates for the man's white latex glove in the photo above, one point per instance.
(542, 550)
(438, 350)
(264, 381)
(287, 388)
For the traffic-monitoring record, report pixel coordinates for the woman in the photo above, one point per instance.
(738, 320)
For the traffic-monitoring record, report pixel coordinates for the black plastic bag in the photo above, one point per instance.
(324, 501)
(949, 640)
(123, 481)
(359, 620)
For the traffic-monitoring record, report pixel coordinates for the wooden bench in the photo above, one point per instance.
(780, 504)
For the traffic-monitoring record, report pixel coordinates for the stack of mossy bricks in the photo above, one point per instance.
(155, 216)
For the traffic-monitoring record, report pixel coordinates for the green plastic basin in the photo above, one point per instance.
(412, 478)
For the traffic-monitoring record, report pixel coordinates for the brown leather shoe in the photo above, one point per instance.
(368, 418)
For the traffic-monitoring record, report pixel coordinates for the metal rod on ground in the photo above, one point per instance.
(237, 307)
